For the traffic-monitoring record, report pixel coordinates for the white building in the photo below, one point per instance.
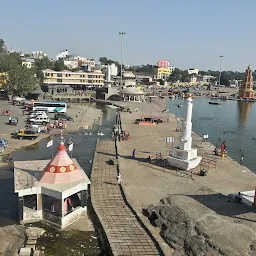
(38, 54)
(62, 55)
(208, 78)
(192, 71)
(172, 68)
(129, 79)
(113, 69)
(28, 62)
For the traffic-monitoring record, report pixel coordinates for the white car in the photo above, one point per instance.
(41, 119)
(37, 114)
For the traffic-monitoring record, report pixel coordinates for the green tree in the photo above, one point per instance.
(103, 60)
(20, 81)
(59, 65)
(224, 80)
(2, 46)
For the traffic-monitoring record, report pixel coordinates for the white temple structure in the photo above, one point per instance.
(184, 156)
(54, 191)
(108, 82)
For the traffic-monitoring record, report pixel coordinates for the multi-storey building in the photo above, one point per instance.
(63, 81)
(163, 70)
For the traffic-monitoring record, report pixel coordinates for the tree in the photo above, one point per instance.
(20, 80)
(224, 80)
(2, 46)
(59, 65)
(103, 60)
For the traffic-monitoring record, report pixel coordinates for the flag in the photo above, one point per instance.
(50, 143)
(70, 147)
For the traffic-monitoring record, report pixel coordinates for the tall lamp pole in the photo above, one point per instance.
(220, 68)
(122, 35)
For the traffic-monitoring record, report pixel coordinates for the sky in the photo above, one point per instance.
(186, 33)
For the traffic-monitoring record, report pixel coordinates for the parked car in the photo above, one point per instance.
(41, 119)
(3, 142)
(34, 114)
(30, 133)
(63, 117)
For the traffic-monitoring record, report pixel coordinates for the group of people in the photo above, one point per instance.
(205, 137)
(6, 112)
(57, 124)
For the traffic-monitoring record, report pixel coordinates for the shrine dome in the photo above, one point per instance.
(61, 169)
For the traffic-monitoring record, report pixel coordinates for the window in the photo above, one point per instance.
(59, 80)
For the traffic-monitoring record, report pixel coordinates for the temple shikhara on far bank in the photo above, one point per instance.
(246, 90)
(54, 191)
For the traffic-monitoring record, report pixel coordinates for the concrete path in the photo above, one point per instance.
(123, 230)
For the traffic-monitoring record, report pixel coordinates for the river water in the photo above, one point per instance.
(65, 243)
(232, 121)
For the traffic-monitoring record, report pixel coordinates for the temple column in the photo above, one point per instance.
(21, 208)
(39, 202)
(84, 196)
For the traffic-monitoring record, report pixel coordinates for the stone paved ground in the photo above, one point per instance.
(205, 199)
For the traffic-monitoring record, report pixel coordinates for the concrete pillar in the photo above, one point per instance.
(39, 202)
(83, 198)
(62, 212)
(134, 98)
(129, 98)
(21, 206)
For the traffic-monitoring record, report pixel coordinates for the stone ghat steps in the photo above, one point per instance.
(125, 234)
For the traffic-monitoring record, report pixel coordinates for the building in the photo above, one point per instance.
(71, 62)
(141, 79)
(246, 89)
(129, 79)
(62, 55)
(193, 71)
(54, 191)
(163, 70)
(113, 69)
(3, 79)
(64, 81)
(131, 93)
(193, 79)
(38, 54)
(86, 64)
(29, 63)
(208, 78)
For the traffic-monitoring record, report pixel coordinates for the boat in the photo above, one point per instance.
(101, 134)
(215, 102)
(172, 96)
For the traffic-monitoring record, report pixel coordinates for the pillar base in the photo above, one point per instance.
(184, 164)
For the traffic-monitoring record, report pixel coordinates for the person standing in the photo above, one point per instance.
(241, 159)
(206, 137)
(133, 154)
(119, 178)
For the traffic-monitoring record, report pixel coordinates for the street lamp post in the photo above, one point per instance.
(122, 35)
(220, 68)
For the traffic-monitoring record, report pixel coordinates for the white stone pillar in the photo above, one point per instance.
(129, 98)
(186, 139)
(134, 97)
(108, 74)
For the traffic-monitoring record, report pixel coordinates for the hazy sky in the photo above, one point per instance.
(185, 32)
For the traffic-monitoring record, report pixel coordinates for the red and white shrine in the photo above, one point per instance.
(54, 191)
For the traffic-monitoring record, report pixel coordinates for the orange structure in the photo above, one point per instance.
(246, 90)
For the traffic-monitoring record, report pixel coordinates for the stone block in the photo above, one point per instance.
(25, 252)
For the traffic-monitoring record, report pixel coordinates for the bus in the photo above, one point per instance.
(50, 106)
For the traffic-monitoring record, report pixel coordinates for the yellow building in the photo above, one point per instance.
(162, 72)
(77, 80)
(3, 79)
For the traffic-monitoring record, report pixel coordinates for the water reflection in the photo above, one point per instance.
(244, 109)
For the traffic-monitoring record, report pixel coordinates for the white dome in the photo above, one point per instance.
(131, 90)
